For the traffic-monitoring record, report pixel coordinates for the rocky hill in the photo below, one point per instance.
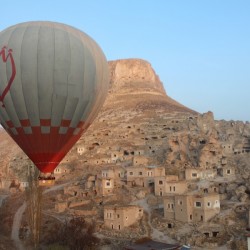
(136, 107)
(140, 124)
(135, 85)
(139, 118)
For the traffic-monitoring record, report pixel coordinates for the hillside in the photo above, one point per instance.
(140, 126)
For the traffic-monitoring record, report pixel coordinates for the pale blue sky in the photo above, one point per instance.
(199, 48)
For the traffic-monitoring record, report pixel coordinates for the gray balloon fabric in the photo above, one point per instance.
(53, 82)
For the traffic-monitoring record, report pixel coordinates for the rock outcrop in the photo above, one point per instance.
(134, 71)
(135, 85)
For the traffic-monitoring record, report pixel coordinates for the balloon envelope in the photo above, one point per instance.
(53, 82)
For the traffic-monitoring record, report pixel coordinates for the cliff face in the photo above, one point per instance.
(137, 72)
(135, 85)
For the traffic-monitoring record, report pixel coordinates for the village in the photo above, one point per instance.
(127, 190)
(152, 169)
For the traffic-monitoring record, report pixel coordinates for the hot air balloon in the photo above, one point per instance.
(53, 82)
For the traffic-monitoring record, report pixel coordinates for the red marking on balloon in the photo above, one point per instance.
(80, 124)
(46, 150)
(45, 122)
(10, 124)
(65, 123)
(13, 74)
(25, 123)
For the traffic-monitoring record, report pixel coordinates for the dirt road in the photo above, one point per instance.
(18, 217)
(155, 233)
(16, 226)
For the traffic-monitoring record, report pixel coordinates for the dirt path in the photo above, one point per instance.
(158, 235)
(57, 187)
(16, 225)
(155, 233)
(19, 214)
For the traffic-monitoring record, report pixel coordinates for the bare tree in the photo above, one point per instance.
(34, 202)
(75, 233)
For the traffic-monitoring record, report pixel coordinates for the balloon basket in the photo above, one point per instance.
(46, 180)
(46, 183)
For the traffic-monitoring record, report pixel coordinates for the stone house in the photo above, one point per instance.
(169, 207)
(170, 184)
(102, 159)
(143, 176)
(192, 207)
(227, 148)
(113, 172)
(206, 174)
(242, 147)
(116, 156)
(105, 182)
(116, 173)
(246, 146)
(237, 150)
(105, 186)
(192, 174)
(75, 191)
(57, 170)
(80, 150)
(210, 230)
(61, 169)
(120, 217)
(227, 171)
